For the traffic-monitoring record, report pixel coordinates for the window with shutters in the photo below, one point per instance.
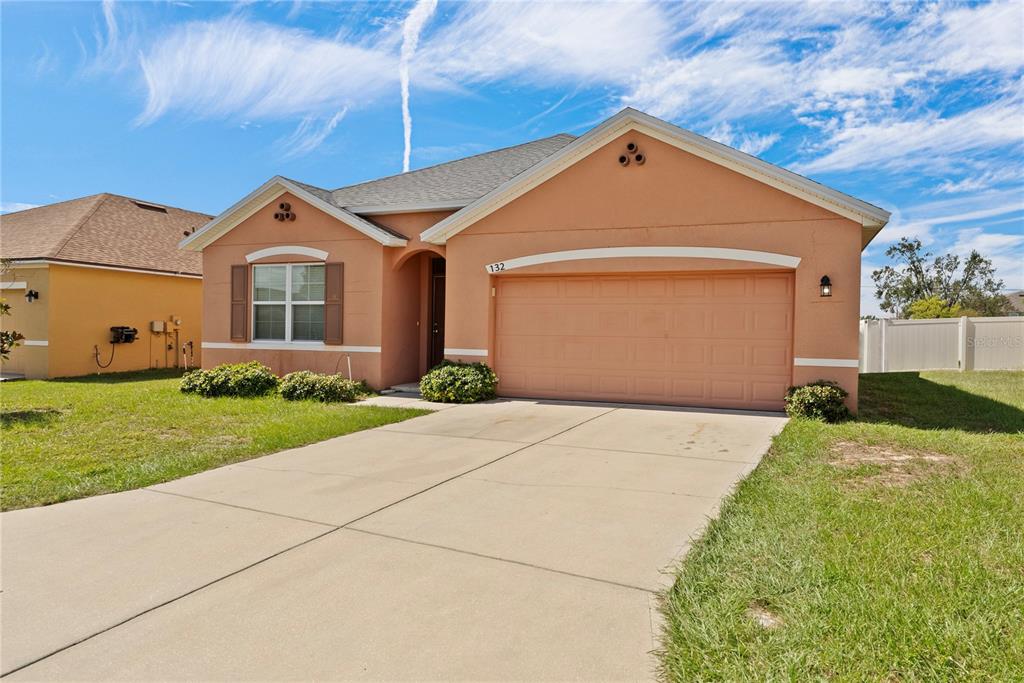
(288, 302)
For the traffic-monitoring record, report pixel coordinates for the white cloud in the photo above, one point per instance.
(9, 207)
(1006, 251)
(545, 43)
(923, 141)
(712, 86)
(922, 221)
(984, 37)
(310, 134)
(234, 67)
(866, 80)
(1011, 172)
(751, 143)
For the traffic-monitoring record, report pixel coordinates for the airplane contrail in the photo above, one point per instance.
(418, 16)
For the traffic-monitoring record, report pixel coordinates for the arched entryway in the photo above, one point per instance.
(414, 315)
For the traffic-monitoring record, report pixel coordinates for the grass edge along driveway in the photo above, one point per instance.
(73, 438)
(886, 548)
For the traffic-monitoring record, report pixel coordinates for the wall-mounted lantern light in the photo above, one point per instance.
(826, 286)
(31, 295)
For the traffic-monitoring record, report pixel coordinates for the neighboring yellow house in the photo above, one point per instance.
(75, 269)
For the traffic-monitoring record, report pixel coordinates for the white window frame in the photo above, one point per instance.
(287, 303)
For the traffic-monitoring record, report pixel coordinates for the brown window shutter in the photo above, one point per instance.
(334, 294)
(239, 302)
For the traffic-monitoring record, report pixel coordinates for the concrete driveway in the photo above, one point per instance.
(507, 540)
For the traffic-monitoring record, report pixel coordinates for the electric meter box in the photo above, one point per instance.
(157, 326)
(122, 334)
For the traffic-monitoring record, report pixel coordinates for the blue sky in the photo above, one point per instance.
(916, 107)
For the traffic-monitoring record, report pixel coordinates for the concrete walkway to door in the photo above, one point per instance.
(506, 540)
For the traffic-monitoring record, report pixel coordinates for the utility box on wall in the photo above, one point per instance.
(122, 334)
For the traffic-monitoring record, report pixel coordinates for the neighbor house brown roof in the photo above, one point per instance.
(104, 229)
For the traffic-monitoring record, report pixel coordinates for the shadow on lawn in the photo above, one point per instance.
(907, 399)
(120, 377)
(35, 417)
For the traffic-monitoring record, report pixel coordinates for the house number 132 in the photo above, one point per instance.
(495, 267)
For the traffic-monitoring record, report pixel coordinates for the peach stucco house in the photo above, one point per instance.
(638, 262)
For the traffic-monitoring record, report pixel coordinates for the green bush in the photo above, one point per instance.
(310, 386)
(459, 383)
(821, 400)
(240, 380)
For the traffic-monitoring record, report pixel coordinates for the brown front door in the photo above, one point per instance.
(435, 353)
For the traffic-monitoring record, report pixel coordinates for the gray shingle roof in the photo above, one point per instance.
(461, 180)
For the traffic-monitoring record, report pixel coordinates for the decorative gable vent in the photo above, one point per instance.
(285, 212)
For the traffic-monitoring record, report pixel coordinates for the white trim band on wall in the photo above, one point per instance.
(13, 285)
(767, 257)
(291, 250)
(827, 362)
(289, 346)
(465, 352)
(35, 342)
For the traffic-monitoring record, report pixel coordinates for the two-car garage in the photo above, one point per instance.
(720, 339)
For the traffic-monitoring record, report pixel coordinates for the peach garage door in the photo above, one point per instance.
(697, 339)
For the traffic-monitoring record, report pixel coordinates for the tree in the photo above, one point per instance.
(970, 283)
(934, 307)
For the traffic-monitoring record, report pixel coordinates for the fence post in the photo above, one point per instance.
(961, 348)
(884, 323)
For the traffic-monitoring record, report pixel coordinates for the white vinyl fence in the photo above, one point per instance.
(942, 344)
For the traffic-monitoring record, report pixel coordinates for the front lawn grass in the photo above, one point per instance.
(65, 439)
(886, 548)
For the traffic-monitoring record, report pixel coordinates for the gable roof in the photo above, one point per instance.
(103, 229)
(271, 190)
(871, 218)
(450, 185)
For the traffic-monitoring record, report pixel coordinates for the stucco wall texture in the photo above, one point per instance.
(76, 308)
(674, 199)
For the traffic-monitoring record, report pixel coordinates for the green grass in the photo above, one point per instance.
(878, 571)
(66, 439)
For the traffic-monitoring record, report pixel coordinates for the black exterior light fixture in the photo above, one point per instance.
(31, 295)
(826, 286)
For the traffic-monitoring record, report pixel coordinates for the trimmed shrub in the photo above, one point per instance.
(240, 380)
(821, 400)
(304, 385)
(459, 383)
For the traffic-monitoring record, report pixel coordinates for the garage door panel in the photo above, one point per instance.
(690, 339)
(729, 356)
(770, 358)
(775, 322)
(730, 321)
(691, 321)
(613, 288)
(773, 287)
(653, 288)
(730, 286)
(690, 354)
(728, 389)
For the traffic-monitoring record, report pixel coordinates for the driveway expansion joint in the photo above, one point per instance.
(332, 529)
(618, 584)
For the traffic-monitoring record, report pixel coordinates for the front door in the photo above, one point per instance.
(435, 353)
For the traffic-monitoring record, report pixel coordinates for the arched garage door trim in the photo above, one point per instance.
(768, 257)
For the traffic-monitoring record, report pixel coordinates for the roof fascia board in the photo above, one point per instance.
(384, 209)
(268, 192)
(47, 262)
(629, 119)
